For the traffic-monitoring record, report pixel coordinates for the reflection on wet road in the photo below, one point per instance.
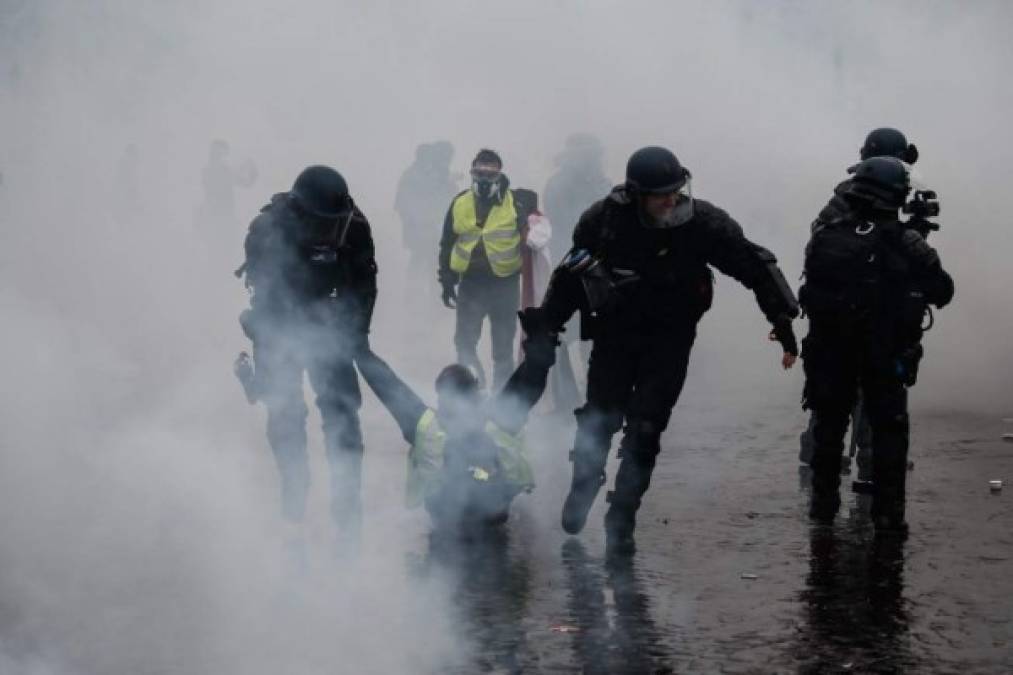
(854, 608)
(611, 636)
(731, 577)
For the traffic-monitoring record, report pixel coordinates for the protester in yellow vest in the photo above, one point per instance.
(480, 263)
(468, 459)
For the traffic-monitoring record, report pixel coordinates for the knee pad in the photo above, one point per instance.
(641, 441)
(343, 432)
(596, 427)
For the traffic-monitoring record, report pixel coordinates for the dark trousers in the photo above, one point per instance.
(836, 366)
(636, 379)
(480, 296)
(281, 355)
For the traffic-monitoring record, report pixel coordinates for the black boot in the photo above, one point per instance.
(888, 502)
(828, 446)
(588, 477)
(620, 523)
(638, 453)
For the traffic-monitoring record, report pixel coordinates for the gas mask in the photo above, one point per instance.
(485, 182)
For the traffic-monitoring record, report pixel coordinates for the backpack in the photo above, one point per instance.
(843, 265)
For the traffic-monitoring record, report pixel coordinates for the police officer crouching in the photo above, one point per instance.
(311, 271)
(868, 280)
(639, 274)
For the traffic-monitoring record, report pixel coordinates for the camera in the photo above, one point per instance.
(923, 204)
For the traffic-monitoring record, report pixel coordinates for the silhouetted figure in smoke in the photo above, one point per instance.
(639, 273)
(423, 192)
(468, 459)
(218, 182)
(882, 142)
(480, 249)
(869, 279)
(311, 270)
(578, 182)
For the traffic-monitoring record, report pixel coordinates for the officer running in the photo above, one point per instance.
(639, 274)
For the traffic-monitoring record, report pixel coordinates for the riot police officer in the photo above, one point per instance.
(868, 280)
(311, 270)
(880, 142)
(639, 272)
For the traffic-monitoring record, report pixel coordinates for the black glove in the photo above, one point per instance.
(449, 295)
(541, 341)
(784, 334)
(540, 350)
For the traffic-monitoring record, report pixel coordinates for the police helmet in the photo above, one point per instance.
(321, 191)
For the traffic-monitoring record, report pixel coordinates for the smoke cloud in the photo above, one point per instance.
(140, 499)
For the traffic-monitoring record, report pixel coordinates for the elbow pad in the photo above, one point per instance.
(773, 292)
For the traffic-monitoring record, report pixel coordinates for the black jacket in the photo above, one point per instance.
(869, 278)
(907, 259)
(669, 282)
(294, 268)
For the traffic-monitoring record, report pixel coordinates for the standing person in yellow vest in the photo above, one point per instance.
(468, 459)
(480, 264)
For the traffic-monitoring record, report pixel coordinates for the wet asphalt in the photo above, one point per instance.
(730, 576)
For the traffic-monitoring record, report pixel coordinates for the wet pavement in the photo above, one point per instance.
(731, 577)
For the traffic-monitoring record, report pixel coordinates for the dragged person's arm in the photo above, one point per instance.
(511, 406)
(403, 404)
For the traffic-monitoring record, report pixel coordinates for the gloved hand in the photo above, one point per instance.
(448, 282)
(244, 371)
(532, 320)
(784, 334)
(540, 340)
(540, 350)
(449, 296)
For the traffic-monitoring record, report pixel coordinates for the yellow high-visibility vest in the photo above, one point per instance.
(425, 460)
(499, 236)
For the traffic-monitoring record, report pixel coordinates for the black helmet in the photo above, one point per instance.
(321, 191)
(887, 142)
(882, 181)
(654, 170)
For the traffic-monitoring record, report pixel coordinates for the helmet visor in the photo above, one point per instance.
(669, 208)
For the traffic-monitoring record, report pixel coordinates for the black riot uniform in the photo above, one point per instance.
(880, 142)
(869, 278)
(642, 287)
(311, 270)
